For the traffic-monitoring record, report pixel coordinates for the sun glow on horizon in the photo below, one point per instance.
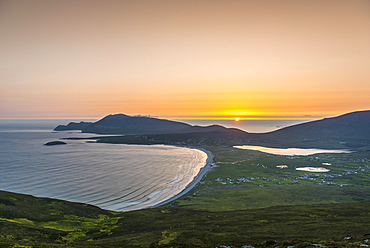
(243, 118)
(148, 57)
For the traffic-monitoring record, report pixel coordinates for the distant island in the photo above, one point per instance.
(350, 130)
(54, 143)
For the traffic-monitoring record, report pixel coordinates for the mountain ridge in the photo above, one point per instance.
(348, 130)
(347, 127)
(125, 124)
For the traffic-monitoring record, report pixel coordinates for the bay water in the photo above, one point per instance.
(111, 176)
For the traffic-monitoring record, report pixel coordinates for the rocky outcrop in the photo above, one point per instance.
(54, 143)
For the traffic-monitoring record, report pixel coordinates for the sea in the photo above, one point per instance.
(112, 176)
(251, 126)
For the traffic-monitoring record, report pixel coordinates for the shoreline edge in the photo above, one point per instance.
(203, 171)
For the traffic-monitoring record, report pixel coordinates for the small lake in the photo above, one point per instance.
(290, 151)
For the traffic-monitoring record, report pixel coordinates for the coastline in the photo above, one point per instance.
(156, 200)
(203, 171)
(158, 197)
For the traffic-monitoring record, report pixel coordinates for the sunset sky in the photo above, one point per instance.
(184, 58)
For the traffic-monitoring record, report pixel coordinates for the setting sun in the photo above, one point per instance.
(237, 119)
(218, 65)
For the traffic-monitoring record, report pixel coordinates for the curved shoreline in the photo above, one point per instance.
(156, 203)
(158, 198)
(203, 171)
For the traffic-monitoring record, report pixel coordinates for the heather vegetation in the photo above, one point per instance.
(35, 222)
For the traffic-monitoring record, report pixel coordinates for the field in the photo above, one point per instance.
(244, 201)
(243, 179)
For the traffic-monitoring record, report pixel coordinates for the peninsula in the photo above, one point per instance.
(350, 130)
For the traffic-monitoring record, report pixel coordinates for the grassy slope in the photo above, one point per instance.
(214, 213)
(33, 219)
(87, 226)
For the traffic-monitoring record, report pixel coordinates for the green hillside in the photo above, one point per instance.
(245, 179)
(28, 221)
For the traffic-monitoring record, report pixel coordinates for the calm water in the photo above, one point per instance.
(251, 126)
(290, 151)
(111, 176)
(117, 177)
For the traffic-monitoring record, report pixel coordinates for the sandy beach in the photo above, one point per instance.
(196, 180)
(159, 198)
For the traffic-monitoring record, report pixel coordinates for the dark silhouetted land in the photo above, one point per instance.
(346, 131)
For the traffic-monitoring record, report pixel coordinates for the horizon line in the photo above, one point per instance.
(240, 118)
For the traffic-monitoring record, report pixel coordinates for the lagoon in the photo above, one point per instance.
(290, 151)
